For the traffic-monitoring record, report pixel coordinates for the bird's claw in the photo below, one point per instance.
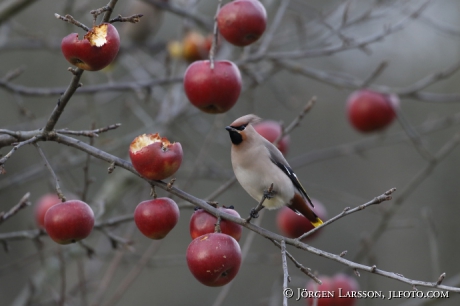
(268, 194)
(254, 214)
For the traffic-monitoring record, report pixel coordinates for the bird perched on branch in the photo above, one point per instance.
(264, 173)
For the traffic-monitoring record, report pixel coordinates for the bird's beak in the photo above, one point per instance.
(231, 129)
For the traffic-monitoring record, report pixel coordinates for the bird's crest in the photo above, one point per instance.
(245, 120)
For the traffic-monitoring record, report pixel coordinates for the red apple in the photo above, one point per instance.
(212, 90)
(95, 51)
(346, 284)
(214, 259)
(42, 206)
(342, 287)
(326, 286)
(203, 222)
(156, 218)
(292, 225)
(370, 111)
(271, 130)
(242, 22)
(154, 157)
(69, 221)
(196, 46)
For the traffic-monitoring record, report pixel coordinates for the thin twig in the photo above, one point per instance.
(298, 265)
(375, 74)
(70, 19)
(432, 241)
(16, 147)
(377, 200)
(296, 122)
(274, 25)
(50, 169)
(116, 240)
(12, 74)
(132, 19)
(86, 178)
(413, 135)
(90, 133)
(23, 203)
(108, 87)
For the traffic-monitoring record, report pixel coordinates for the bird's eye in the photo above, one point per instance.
(241, 127)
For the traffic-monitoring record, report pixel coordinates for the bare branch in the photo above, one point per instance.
(16, 147)
(23, 203)
(62, 102)
(132, 19)
(70, 19)
(286, 277)
(259, 230)
(90, 133)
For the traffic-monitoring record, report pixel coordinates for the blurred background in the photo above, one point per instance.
(323, 49)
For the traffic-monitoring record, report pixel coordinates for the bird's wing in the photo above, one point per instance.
(278, 159)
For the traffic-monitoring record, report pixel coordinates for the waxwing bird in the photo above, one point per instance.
(258, 164)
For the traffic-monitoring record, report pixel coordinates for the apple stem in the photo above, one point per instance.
(215, 38)
(48, 166)
(153, 192)
(217, 228)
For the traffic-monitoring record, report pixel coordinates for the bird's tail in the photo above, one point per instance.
(300, 206)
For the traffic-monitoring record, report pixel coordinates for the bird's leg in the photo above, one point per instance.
(268, 194)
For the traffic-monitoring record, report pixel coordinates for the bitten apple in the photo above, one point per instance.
(155, 157)
(95, 51)
(156, 218)
(340, 284)
(69, 221)
(370, 111)
(212, 90)
(214, 259)
(43, 204)
(203, 222)
(292, 225)
(242, 22)
(271, 130)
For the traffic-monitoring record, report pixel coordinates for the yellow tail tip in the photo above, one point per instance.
(317, 222)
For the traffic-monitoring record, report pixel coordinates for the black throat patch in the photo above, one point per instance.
(235, 137)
